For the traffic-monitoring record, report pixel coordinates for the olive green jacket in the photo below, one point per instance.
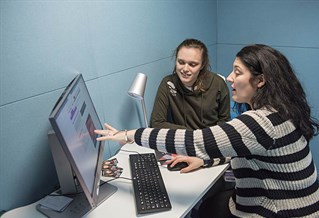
(177, 107)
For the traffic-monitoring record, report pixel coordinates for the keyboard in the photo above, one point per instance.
(148, 185)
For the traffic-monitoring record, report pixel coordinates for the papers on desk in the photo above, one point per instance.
(55, 202)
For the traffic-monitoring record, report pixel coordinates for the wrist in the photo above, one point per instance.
(127, 138)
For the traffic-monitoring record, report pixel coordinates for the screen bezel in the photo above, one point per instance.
(92, 197)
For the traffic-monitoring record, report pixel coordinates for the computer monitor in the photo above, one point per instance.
(74, 120)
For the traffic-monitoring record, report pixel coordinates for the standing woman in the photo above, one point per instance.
(272, 162)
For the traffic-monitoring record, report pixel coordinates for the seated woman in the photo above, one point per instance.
(192, 97)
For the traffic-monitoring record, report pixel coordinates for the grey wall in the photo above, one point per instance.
(44, 44)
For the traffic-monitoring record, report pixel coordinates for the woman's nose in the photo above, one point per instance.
(229, 78)
(185, 67)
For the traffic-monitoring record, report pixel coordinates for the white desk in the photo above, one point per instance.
(184, 191)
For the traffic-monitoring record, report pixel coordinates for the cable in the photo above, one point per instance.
(129, 151)
(120, 177)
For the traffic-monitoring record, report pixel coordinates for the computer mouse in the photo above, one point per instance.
(177, 166)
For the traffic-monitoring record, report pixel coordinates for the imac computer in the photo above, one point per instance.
(73, 144)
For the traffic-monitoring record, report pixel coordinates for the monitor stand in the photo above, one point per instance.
(68, 186)
(62, 166)
(79, 206)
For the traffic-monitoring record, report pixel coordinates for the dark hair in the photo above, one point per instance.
(194, 43)
(282, 90)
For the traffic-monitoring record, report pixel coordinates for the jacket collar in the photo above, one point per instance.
(180, 86)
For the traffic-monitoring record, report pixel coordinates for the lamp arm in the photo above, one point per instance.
(144, 112)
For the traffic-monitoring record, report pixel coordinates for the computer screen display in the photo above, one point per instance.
(74, 120)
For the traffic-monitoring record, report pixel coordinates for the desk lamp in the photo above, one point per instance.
(137, 91)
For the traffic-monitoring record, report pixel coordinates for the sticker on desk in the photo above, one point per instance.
(113, 172)
(110, 168)
(56, 202)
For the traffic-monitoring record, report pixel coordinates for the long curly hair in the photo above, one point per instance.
(282, 90)
(194, 43)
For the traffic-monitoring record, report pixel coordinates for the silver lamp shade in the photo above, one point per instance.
(137, 90)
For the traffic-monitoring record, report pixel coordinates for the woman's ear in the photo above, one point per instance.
(261, 81)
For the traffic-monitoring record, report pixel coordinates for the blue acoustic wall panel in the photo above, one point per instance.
(26, 163)
(140, 32)
(40, 39)
(44, 44)
(281, 23)
(212, 53)
(291, 26)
